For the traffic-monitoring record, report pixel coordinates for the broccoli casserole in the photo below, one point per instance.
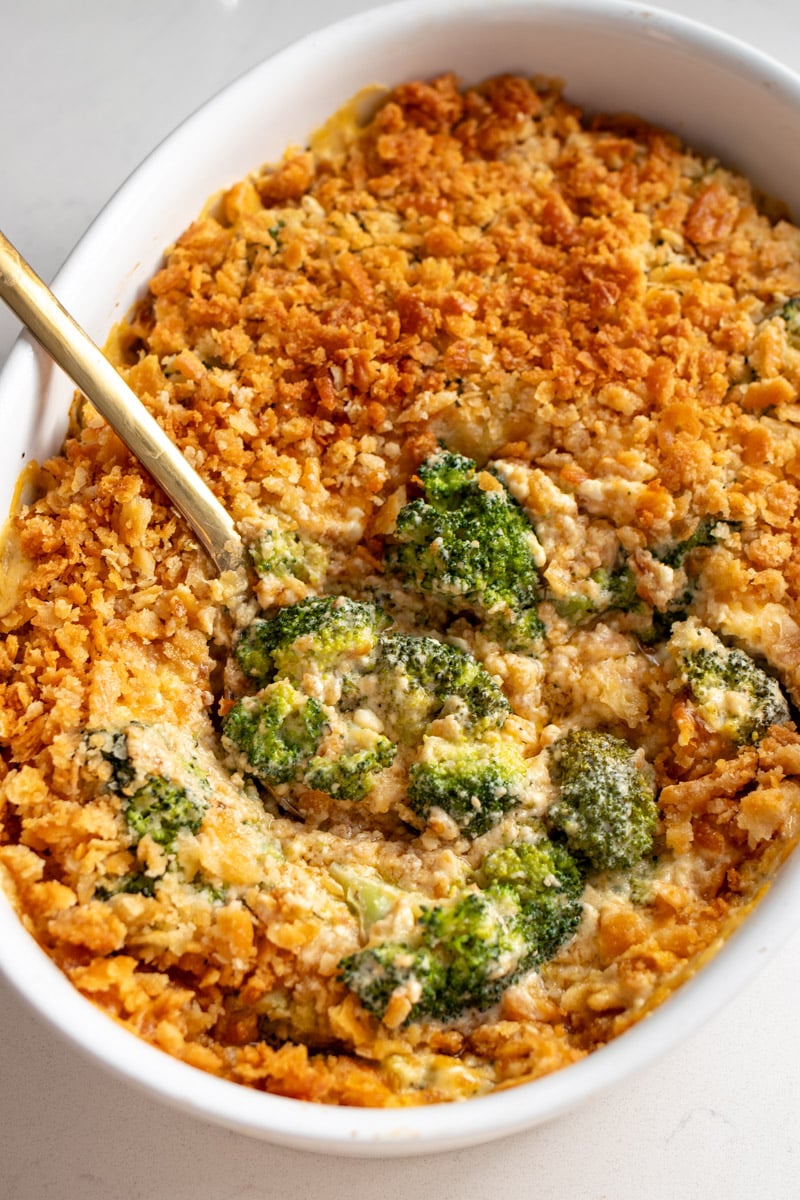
(496, 741)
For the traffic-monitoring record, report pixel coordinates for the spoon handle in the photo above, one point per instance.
(74, 351)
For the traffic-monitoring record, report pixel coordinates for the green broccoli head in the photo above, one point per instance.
(518, 630)
(549, 887)
(275, 734)
(285, 554)
(378, 973)
(350, 775)
(606, 591)
(137, 884)
(481, 943)
(475, 784)
(445, 477)
(322, 630)
(733, 695)
(421, 679)
(366, 894)
(112, 748)
(469, 544)
(162, 810)
(663, 620)
(463, 954)
(606, 804)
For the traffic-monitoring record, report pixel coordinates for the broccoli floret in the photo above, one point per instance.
(790, 314)
(481, 942)
(465, 953)
(519, 630)
(366, 894)
(469, 544)
(113, 749)
(253, 651)
(641, 880)
(733, 695)
(421, 679)
(320, 631)
(620, 588)
(608, 591)
(378, 973)
(136, 884)
(351, 695)
(706, 533)
(606, 805)
(474, 786)
(275, 734)
(162, 810)
(664, 619)
(549, 887)
(284, 554)
(350, 776)
(445, 477)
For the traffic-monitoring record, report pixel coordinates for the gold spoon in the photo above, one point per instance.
(74, 351)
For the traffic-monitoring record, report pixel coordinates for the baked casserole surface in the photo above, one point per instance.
(496, 744)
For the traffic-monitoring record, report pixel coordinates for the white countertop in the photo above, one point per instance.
(87, 89)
